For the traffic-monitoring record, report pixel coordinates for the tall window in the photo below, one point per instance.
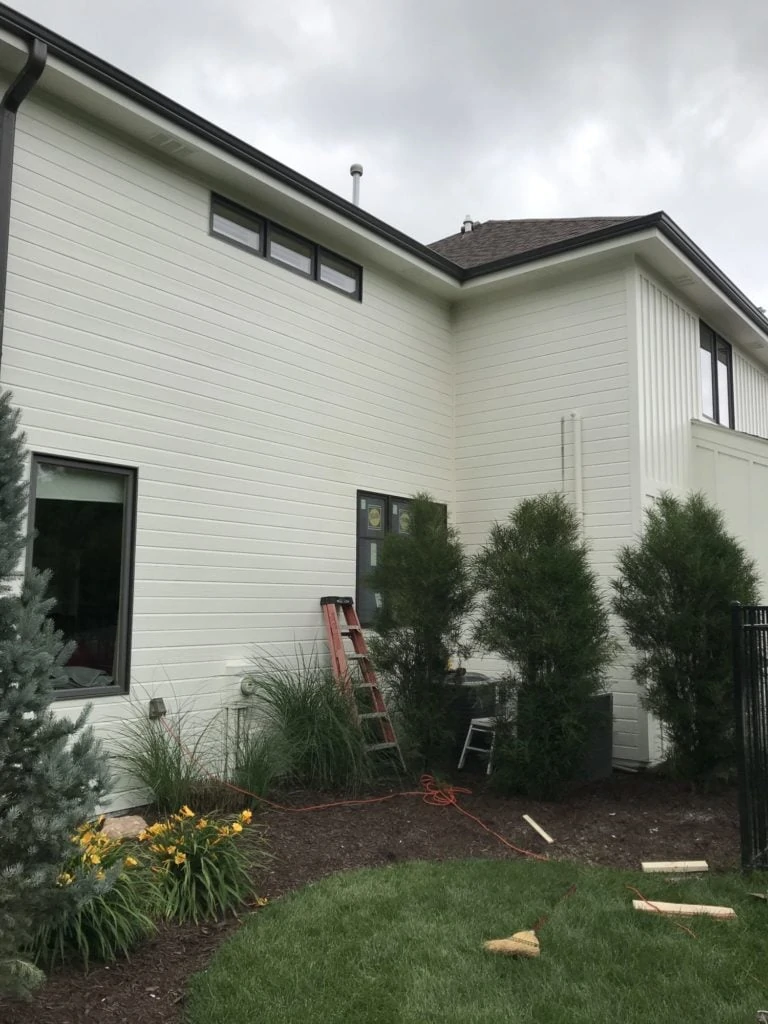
(716, 377)
(377, 515)
(82, 525)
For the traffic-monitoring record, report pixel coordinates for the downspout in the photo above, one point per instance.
(578, 469)
(15, 95)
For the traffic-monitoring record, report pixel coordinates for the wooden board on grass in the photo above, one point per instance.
(684, 909)
(674, 866)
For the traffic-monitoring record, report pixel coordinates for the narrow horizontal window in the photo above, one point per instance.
(290, 250)
(339, 273)
(264, 238)
(81, 522)
(237, 226)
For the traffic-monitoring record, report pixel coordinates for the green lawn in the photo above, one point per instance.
(403, 944)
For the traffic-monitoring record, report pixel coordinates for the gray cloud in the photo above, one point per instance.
(500, 109)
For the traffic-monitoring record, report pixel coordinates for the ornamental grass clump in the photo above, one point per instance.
(115, 913)
(204, 865)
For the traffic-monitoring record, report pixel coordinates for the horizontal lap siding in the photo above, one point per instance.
(523, 363)
(253, 402)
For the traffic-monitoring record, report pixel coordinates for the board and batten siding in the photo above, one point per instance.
(670, 388)
(254, 403)
(524, 362)
(732, 469)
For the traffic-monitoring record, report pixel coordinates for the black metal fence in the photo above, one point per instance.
(750, 691)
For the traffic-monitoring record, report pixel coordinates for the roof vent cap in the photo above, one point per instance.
(467, 225)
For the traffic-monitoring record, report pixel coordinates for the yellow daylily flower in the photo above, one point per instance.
(179, 858)
(131, 862)
(237, 827)
(65, 878)
(187, 812)
(223, 830)
(95, 858)
(100, 876)
(246, 816)
(170, 850)
(203, 823)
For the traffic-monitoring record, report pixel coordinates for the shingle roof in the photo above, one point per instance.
(497, 239)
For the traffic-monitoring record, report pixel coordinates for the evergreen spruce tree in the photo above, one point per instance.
(542, 611)
(423, 582)
(674, 593)
(52, 771)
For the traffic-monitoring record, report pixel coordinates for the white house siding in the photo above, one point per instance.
(254, 403)
(668, 359)
(750, 395)
(732, 468)
(525, 362)
(670, 388)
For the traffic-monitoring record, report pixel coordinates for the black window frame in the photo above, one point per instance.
(388, 500)
(715, 345)
(220, 204)
(122, 682)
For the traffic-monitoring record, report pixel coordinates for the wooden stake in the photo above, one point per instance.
(674, 866)
(537, 828)
(683, 909)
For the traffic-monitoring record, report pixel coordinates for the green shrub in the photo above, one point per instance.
(542, 611)
(204, 865)
(308, 725)
(423, 581)
(673, 593)
(173, 765)
(257, 763)
(116, 913)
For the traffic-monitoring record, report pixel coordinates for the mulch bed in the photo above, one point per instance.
(616, 823)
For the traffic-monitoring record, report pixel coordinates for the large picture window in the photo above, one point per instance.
(82, 530)
(716, 377)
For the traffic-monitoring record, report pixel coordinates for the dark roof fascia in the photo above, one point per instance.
(92, 66)
(627, 227)
(702, 262)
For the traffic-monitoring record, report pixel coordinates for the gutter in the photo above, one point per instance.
(15, 95)
(99, 70)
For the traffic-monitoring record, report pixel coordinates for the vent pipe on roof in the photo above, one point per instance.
(356, 170)
(467, 224)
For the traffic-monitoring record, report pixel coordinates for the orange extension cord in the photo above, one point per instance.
(430, 793)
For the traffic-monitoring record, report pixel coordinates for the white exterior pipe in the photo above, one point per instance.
(356, 170)
(578, 468)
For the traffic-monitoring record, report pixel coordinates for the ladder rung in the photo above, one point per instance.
(349, 630)
(374, 714)
(381, 746)
(364, 686)
(357, 657)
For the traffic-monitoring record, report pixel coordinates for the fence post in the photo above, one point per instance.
(737, 630)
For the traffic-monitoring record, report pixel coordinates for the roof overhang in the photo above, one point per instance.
(207, 153)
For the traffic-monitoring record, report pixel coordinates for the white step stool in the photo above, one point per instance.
(481, 727)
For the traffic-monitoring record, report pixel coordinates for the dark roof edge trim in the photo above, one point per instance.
(627, 227)
(98, 69)
(711, 270)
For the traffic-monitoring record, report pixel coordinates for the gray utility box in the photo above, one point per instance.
(599, 762)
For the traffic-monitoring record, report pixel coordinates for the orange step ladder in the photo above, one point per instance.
(341, 621)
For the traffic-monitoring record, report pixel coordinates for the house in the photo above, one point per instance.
(231, 378)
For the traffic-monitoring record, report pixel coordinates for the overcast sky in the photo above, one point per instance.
(497, 109)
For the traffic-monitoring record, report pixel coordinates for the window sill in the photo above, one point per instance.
(86, 692)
